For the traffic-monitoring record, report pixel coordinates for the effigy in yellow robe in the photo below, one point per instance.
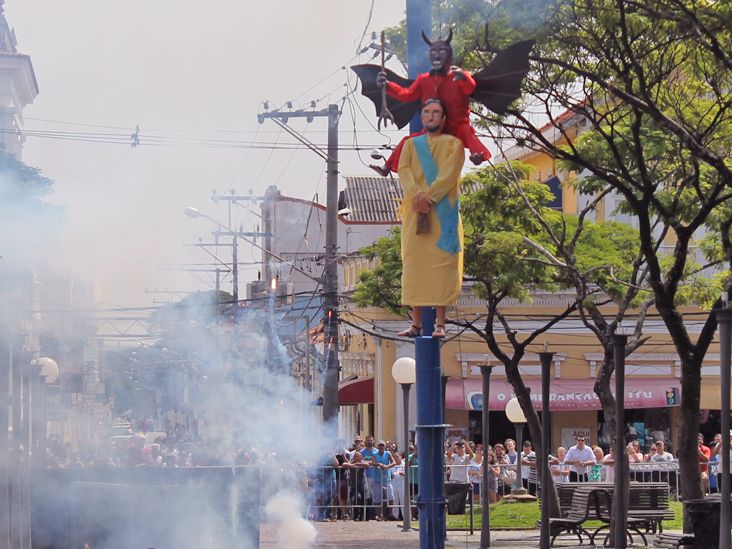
(432, 275)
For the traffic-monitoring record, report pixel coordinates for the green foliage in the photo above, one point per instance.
(499, 230)
(18, 179)
(381, 286)
(484, 23)
(496, 220)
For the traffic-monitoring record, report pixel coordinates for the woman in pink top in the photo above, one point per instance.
(634, 453)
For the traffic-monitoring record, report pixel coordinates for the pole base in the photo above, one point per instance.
(519, 495)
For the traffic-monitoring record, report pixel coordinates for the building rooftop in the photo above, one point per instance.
(371, 199)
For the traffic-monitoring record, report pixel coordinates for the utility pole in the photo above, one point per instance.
(330, 276)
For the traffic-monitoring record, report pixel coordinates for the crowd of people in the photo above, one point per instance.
(366, 481)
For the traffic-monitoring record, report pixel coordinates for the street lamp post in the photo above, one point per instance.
(404, 372)
(516, 416)
(724, 317)
(485, 514)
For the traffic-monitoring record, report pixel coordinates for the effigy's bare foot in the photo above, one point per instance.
(412, 331)
(477, 158)
(383, 171)
(439, 331)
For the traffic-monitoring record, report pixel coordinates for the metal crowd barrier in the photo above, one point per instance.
(351, 493)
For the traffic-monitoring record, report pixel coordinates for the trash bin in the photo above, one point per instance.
(457, 495)
(704, 515)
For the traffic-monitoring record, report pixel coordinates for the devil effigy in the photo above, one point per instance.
(495, 87)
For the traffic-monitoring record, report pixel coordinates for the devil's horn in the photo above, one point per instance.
(424, 37)
(449, 36)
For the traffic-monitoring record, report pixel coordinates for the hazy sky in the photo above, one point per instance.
(193, 75)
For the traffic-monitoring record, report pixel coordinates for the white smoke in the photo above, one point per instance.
(293, 531)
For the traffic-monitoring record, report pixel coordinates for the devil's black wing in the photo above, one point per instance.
(499, 83)
(403, 112)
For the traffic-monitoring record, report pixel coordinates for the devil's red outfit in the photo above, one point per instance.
(454, 96)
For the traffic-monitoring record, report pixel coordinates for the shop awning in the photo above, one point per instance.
(565, 395)
(356, 391)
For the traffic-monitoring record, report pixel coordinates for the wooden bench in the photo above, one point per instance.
(603, 509)
(576, 514)
(646, 500)
(650, 502)
(673, 541)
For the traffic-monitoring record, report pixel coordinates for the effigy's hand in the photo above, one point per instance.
(422, 203)
(381, 79)
(457, 73)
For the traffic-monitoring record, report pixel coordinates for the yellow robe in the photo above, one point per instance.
(430, 276)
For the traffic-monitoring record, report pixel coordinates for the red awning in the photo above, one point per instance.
(565, 395)
(356, 391)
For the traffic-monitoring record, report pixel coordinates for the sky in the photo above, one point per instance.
(193, 75)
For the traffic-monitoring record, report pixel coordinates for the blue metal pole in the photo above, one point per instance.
(431, 500)
(419, 18)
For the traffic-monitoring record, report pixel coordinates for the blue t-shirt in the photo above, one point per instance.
(384, 459)
(368, 456)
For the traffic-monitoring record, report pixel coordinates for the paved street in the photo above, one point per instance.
(353, 535)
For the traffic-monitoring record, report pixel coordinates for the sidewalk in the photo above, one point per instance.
(353, 535)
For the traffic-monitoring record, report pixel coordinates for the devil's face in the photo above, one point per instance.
(440, 55)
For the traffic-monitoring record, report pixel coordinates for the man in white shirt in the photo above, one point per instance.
(661, 454)
(579, 457)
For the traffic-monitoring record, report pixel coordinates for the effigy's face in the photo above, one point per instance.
(440, 55)
(433, 117)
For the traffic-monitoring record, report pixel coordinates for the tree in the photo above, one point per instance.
(657, 103)
(509, 234)
(650, 81)
(27, 222)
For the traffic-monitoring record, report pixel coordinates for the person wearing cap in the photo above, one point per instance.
(382, 493)
(657, 453)
(528, 468)
(367, 452)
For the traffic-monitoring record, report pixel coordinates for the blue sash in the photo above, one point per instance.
(447, 215)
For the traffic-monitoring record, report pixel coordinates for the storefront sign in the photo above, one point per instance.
(571, 394)
(570, 434)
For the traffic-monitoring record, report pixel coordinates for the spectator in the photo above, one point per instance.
(494, 472)
(135, 455)
(367, 452)
(510, 450)
(658, 454)
(413, 463)
(458, 461)
(528, 468)
(324, 487)
(595, 473)
(397, 478)
(341, 490)
(382, 492)
(720, 464)
(357, 446)
(579, 458)
(475, 470)
(608, 466)
(507, 472)
(634, 453)
(704, 455)
(357, 484)
(156, 455)
(560, 471)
